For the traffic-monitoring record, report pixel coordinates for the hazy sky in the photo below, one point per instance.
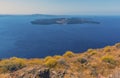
(103, 7)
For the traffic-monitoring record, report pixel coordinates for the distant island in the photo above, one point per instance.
(63, 21)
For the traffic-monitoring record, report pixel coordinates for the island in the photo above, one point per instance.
(63, 21)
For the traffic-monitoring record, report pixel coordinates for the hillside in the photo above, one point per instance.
(94, 63)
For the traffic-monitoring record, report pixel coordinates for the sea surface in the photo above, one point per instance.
(20, 38)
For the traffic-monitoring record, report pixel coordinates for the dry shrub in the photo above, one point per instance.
(12, 64)
(108, 59)
(107, 49)
(34, 62)
(51, 63)
(69, 54)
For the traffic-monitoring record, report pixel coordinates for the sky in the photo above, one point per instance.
(61, 7)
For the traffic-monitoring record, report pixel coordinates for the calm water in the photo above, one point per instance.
(18, 37)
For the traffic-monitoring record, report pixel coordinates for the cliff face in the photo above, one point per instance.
(94, 63)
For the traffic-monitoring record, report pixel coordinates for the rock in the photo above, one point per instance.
(100, 76)
(59, 74)
(32, 72)
(37, 72)
(44, 73)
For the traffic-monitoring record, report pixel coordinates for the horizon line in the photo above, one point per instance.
(67, 14)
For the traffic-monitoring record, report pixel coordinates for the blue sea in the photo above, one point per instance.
(20, 38)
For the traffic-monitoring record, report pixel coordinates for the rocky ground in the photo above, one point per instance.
(94, 63)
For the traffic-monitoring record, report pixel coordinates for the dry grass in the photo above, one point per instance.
(91, 64)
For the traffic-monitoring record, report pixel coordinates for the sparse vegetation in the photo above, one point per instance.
(57, 56)
(12, 64)
(34, 62)
(107, 49)
(51, 63)
(88, 65)
(47, 58)
(82, 60)
(90, 50)
(108, 59)
(69, 54)
(93, 53)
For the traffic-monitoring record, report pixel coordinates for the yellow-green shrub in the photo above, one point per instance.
(90, 50)
(109, 59)
(93, 53)
(34, 62)
(69, 54)
(107, 49)
(47, 58)
(57, 56)
(51, 62)
(12, 64)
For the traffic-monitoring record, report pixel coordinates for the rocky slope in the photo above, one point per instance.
(94, 63)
